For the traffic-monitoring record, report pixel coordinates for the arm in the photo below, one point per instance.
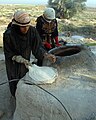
(7, 46)
(10, 53)
(55, 34)
(39, 26)
(37, 49)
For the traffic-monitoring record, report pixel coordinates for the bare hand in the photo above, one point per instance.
(51, 57)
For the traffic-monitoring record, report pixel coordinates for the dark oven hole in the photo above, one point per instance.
(66, 51)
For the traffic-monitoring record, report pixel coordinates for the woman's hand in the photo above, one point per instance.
(20, 59)
(50, 57)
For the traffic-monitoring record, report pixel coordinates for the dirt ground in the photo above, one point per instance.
(7, 102)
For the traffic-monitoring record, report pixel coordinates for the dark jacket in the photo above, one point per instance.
(46, 30)
(16, 43)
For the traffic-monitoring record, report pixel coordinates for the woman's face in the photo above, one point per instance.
(24, 29)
